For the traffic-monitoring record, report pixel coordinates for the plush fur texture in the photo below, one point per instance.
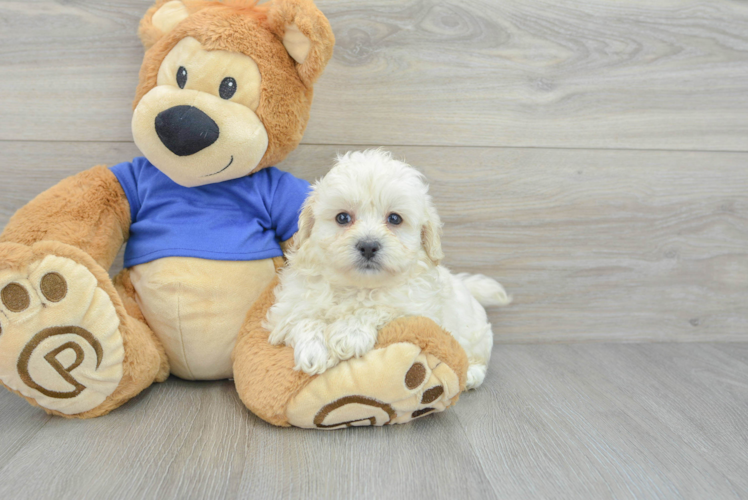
(86, 218)
(336, 292)
(190, 78)
(431, 338)
(255, 31)
(256, 361)
(88, 211)
(88, 215)
(145, 361)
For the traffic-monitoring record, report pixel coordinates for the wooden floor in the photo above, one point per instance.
(592, 155)
(552, 421)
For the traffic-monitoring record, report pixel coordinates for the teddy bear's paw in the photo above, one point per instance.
(60, 343)
(389, 385)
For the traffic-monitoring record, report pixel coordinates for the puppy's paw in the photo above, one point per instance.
(475, 376)
(312, 356)
(295, 332)
(277, 336)
(347, 339)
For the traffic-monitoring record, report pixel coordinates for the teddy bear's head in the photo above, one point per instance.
(225, 87)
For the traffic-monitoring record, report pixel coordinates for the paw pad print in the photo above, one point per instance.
(59, 336)
(15, 297)
(390, 385)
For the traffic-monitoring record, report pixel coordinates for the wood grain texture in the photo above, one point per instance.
(19, 423)
(552, 421)
(595, 73)
(197, 440)
(612, 421)
(593, 245)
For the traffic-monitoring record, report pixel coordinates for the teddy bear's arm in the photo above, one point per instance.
(88, 211)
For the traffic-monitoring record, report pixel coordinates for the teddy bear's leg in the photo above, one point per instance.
(415, 369)
(143, 336)
(67, 342)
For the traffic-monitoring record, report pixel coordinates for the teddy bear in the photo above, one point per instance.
(224, 94)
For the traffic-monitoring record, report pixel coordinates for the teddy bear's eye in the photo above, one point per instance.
(228, 88)
(395, 219)
(343, 218)
(181, 77)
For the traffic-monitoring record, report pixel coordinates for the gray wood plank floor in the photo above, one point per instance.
(552, 421)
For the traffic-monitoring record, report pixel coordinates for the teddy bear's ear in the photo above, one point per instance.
(163, 17)
(305, 33)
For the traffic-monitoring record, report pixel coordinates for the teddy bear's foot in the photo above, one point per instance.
(390, 385)
(415, 369)
(60, 340)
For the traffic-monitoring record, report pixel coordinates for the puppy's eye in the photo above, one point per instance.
(343, 218)
(181, 77)
(227, 88)
(395, 219)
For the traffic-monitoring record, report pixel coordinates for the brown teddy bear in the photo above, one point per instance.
(225, 91)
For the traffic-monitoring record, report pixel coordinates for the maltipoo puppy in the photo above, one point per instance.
(367, 252)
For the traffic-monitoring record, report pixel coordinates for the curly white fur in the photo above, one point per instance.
(332, 300)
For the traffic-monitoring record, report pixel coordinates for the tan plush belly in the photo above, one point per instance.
(196, 308)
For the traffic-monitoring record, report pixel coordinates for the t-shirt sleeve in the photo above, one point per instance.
(288, 198)
(127, 175)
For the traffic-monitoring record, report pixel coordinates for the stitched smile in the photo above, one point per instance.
(224, 168)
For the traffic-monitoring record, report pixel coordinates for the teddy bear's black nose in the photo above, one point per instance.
(185, 130)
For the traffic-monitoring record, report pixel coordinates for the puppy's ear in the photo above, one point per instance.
(306, 222)
(306, 34)
(431, 235)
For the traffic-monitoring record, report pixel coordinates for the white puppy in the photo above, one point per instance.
(367, 252)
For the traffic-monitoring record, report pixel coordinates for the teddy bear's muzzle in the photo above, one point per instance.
(185, 130)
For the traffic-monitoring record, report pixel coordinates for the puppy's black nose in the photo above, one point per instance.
(368, 248)
(185, 130)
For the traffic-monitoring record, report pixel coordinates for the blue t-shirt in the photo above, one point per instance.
(240, 219)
